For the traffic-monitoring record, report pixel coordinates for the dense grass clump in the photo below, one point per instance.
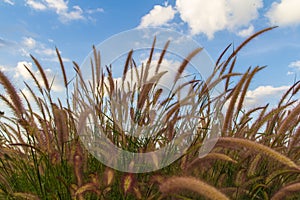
(42, 155)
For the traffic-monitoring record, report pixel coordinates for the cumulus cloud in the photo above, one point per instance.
(2, 68)
(22, 73)
(290, 73)
(284, 13)
(53, 78)
(29, 42)
(46, 51)
(30, 46)
(262, 95)
(246, 32)
(158, 16)
(295, 65)
(28, 95)
(36, 5)
(75, 14)
(60, 7)
(208, 17)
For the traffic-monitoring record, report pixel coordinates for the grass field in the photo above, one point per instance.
(257, 155)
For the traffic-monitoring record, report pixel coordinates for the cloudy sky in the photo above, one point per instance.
(38, 26)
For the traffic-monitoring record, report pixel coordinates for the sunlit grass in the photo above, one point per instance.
(42, 155)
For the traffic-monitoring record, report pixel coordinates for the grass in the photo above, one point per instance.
(43, 157)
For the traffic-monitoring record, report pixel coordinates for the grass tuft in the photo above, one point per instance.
(42, 156)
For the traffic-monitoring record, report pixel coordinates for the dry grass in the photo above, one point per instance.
(286, 191)
(42, 156)
(175, 184)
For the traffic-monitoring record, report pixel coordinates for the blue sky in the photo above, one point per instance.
(38, 26)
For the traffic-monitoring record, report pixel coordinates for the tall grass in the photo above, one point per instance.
(42, 156)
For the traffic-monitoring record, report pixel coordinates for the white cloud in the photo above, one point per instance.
(55, 59)
(29, 42)
(284, 13)
(60, 7)
(21, 71)
(53, 78)
(211, 16)
(295, 65)
(36, 5)
(45, 51)
(49, 54)
(97, 10)
(158, 16)
(28, 95)
(290, 73)
(246, 32)
(31, 46)
(263, 95)
(9, 2)
(3, 68)
(75, 14)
